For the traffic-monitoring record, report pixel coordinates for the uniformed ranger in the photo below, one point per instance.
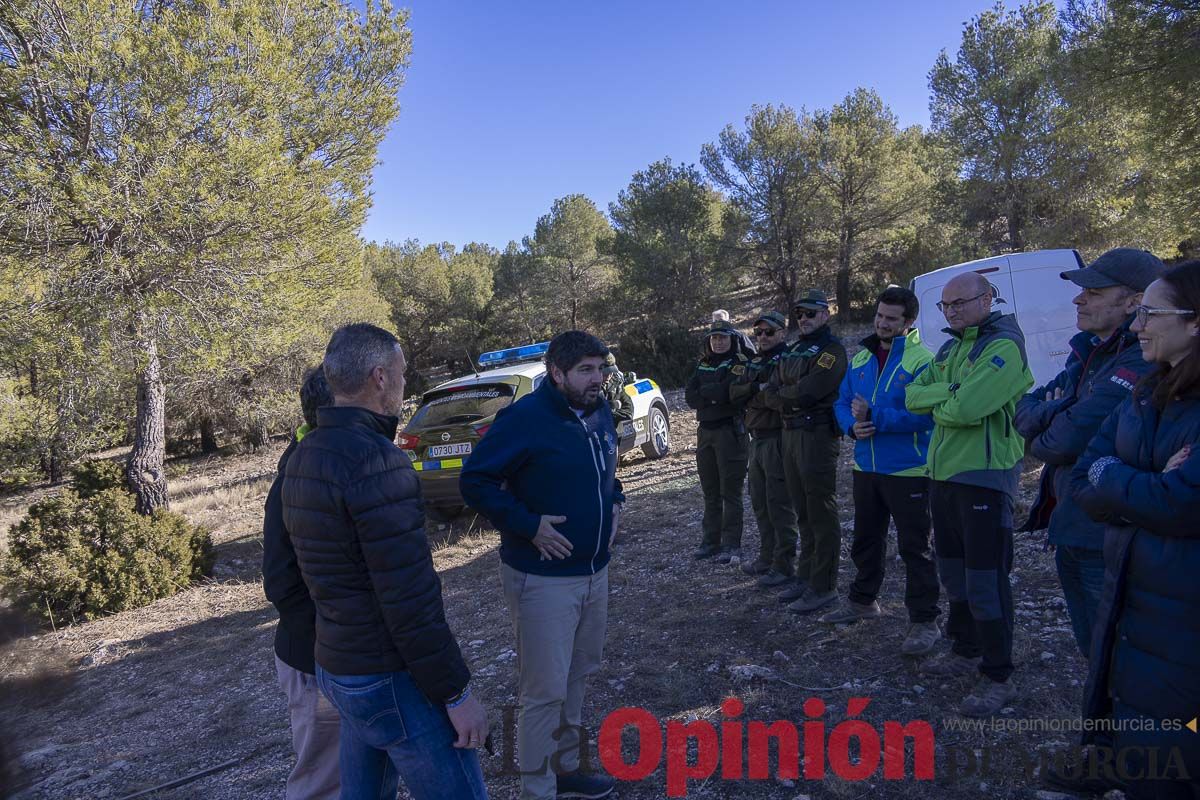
(768, 487)
(614, 391)
(721, 442)
(804, 389)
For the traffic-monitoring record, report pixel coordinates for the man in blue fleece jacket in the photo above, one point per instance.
(545, 476)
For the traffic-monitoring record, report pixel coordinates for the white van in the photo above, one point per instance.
(1027, 285)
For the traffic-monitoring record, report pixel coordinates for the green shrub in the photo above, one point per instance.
(667, 353)
(79, 558)
(95, 476)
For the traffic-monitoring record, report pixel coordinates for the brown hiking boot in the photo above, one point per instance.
(988, 697)
(920, 639)
(755, 567)
(850, 611)
(950, 665)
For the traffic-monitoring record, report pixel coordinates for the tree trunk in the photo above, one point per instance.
(842, 291)
(208, 436)
(145, 469)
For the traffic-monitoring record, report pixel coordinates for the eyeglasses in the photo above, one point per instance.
(764, 331)
(805, 313)
(958, 305)
(1145, 312)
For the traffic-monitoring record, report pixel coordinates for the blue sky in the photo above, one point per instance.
(507, 106)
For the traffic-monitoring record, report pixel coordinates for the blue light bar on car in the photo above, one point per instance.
(496, 358)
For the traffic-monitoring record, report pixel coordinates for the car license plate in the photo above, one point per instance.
(444, 450)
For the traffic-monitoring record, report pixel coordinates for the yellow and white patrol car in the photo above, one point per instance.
(454, 415)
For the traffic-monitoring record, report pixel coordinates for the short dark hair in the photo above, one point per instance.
(899, 296)
(314, 393)
(570, 347)
(353, 352)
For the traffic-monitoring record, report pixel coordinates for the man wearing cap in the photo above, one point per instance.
(1059, 419)
(721, 442)
(971, 388)
(768, 486)
(803, 390)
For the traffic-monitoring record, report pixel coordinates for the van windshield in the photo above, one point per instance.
(462, 404)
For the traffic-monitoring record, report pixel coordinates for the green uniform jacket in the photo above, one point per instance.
(707, 390)
(759, 416)
(805, 384)
(972, 388)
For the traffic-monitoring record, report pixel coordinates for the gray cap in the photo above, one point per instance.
(1124, 266)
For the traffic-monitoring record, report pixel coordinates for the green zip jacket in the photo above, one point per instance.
(971, 389)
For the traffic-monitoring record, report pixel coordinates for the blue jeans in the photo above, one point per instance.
(390, 730)
(1081, 571)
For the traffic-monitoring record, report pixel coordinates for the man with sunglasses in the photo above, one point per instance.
(971, 388)
(768, 486)
(1059, 419)
(803, 390)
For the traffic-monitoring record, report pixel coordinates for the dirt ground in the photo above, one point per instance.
(115, 707)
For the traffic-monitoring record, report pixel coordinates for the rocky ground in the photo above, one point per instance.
(182, 695)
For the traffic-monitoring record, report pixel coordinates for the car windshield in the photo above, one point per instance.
(462, 404)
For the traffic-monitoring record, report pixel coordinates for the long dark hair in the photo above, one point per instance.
(1172, 383)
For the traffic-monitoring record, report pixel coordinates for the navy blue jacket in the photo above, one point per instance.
(352, 505)
(1097, 378)
(1146, 643)
(540, 458)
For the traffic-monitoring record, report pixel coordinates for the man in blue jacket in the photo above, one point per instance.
(891, 479)
(545, 476)
(1059, 419)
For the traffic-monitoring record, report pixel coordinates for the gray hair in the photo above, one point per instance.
(354, 352)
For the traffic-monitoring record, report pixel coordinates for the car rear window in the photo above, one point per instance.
(462, 404)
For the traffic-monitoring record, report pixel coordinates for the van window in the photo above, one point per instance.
(462, 404)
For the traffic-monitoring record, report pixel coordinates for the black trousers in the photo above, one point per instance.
(973, 532)
(878, 499)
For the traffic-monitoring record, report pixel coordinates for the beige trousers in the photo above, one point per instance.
(560, 625)
(316, 736)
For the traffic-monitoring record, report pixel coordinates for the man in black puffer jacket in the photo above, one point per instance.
(385, 656)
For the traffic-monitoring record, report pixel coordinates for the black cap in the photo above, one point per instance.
(1124, 266)
(813, 300)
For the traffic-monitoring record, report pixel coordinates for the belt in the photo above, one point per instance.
(809, 422)
(766, 433)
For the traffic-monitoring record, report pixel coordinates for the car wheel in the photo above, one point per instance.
(660, 434)
(443, 513)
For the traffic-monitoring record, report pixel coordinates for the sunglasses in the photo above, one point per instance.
(764, 331)
(805, 313)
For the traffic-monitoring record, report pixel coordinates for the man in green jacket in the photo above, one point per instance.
(971, 389)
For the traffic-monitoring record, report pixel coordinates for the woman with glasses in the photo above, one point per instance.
(1141, 476)
(721, 442)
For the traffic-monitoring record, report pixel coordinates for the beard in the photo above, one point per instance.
(579, 399)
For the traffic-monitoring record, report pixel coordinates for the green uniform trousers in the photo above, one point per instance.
(772, 506)
(810, 465)
(721, 457)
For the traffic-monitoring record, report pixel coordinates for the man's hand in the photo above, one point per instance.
(864, 430)
(1176, 461)
(1057, 394)
(469, 719)
(616, 514)
(549, 542)
(860, 408)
